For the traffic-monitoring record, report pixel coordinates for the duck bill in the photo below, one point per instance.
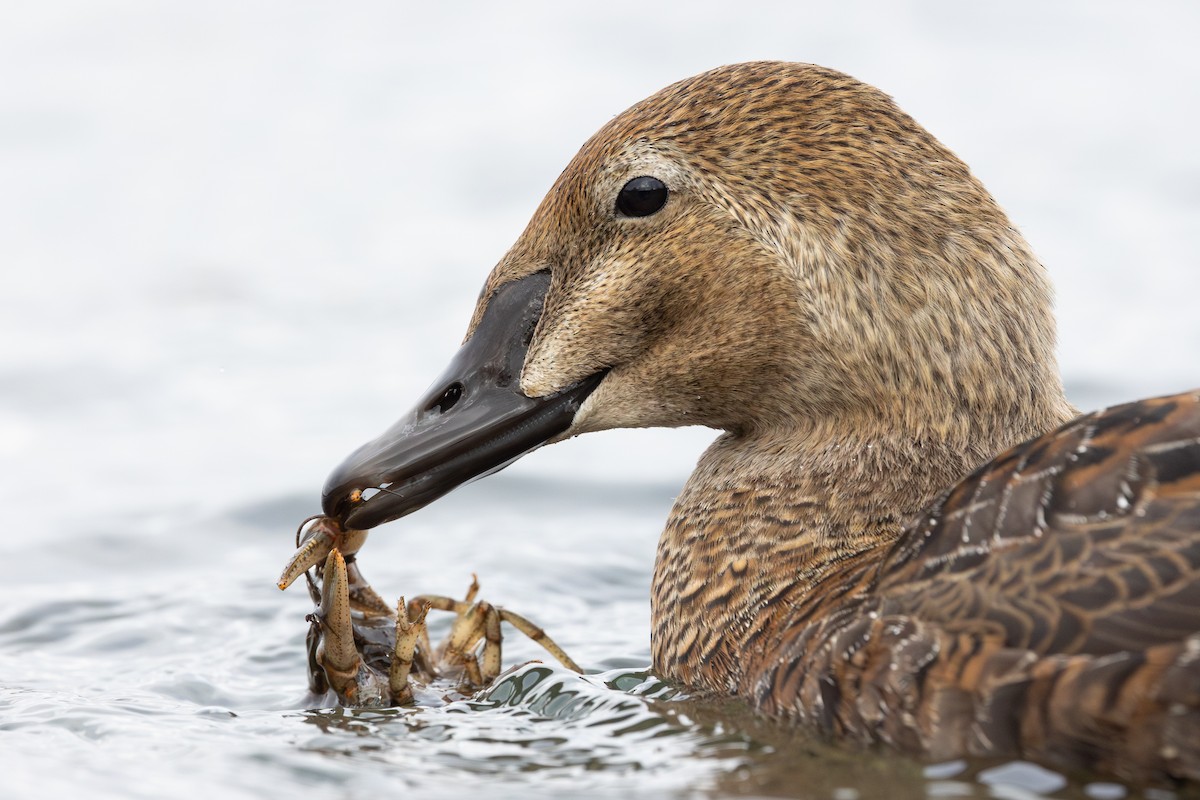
(472, 422)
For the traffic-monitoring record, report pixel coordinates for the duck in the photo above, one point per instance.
(904, 534)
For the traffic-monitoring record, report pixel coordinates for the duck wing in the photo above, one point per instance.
(1083, 541)
(1046, 606)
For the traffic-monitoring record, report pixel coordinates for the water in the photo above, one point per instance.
(237, 240)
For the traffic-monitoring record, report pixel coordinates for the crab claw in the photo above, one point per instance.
(337, 654)
(314, 546)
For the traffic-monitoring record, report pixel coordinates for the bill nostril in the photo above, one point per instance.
(448, 399)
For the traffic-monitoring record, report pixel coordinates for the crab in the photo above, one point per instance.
(371, 655)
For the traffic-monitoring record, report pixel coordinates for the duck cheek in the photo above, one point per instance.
(571, 350)
(543, 371)
(606, 408)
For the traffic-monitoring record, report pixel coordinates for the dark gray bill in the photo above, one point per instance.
(472, 422)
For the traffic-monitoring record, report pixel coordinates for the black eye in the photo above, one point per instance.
(641, 197)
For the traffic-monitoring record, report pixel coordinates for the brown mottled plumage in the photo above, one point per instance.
(832, 287)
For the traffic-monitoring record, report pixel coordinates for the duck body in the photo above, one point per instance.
(1047, 606)
(778, 252)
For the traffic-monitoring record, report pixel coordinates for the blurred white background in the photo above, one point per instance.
(238, 238)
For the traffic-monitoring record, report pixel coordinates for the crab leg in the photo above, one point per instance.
(464, 633)
(350, 615)
(318, 684)
(472, 677)
(475, 622)
(469, 628)
(408, 632)
(472, 623)
(491, 642)
(420, 606)
(541, 637)
(362, 596)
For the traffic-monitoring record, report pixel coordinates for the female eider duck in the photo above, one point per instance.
(777, 251)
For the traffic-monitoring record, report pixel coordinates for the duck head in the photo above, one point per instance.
(764, 247)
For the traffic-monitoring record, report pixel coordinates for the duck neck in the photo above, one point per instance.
(763, 520)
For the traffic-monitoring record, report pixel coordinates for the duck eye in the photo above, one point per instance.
(641, 197)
